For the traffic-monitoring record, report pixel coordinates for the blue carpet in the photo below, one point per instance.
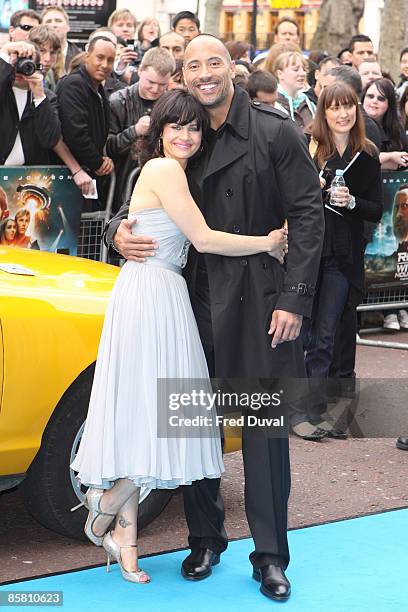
(356, 565)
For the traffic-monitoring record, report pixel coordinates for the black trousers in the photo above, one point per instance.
(344, 356)
(267, 485)
(203, 504)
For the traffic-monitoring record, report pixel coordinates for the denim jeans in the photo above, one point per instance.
(330, 300)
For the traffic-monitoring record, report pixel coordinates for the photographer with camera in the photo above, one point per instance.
(123, 24)
(32, 127)
(130, 114)
(29, 122)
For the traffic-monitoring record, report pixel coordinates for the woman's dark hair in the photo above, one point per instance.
(389, 122)
(335, 95)
(403, 115)
(237, 48)
(177, 106)
(403, 52)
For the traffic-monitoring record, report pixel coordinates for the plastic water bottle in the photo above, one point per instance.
(338, 181)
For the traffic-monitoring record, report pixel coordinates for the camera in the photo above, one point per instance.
(26, 66)
(130, 44)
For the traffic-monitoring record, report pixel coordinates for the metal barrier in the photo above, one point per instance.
(386, 277)
(130, 183)
(393, 298)
(90, 235)
(90, 239)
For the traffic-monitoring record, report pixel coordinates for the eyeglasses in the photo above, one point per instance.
(25, 27)
(378, 98)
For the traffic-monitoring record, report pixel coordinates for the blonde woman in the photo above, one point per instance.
(290, 69)
(274, 52)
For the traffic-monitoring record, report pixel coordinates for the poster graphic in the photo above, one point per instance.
(84, 15)
(386, 257)
(7, 8)
(40, 208)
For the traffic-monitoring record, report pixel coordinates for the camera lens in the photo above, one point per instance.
(25, 66)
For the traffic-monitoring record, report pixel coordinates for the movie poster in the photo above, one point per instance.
(84, 15)
(40, 208)
(386, 258)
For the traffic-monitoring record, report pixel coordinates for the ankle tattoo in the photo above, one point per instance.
(123, 522)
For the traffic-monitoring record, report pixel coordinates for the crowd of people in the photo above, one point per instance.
(250, 148)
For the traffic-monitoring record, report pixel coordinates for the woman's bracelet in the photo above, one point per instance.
(75, 173)
(351, 203)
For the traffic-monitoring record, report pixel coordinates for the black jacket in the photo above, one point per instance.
(85, 116)
(259, 173)
(113, 84)
(126, 110)
(372, 130)
(39, 126)
(72, 51)
(345, 232)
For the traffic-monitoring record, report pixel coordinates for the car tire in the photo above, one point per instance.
(47, 490)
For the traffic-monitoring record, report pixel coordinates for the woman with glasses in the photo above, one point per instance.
(380, 103)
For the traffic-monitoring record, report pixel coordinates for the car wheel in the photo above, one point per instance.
(50, 488)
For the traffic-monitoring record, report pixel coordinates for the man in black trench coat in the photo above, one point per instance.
(258, 173)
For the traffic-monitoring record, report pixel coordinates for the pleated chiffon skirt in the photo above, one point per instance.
(149, 333)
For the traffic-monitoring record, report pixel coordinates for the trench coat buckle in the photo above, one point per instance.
(300, 289)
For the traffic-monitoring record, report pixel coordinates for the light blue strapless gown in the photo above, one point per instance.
(149, 333)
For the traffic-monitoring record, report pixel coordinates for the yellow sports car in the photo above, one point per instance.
(51, 315)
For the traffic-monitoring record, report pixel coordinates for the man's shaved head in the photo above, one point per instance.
(215, 43)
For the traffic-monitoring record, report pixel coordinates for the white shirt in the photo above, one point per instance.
(16, 155)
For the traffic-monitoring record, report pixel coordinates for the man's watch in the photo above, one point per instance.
(351, 203)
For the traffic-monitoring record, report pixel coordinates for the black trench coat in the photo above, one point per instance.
(259, 174)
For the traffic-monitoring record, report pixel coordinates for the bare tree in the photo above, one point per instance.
(338, 22)
(212, 17)
(394, 35)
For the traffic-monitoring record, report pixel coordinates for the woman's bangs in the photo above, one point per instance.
(340, 98)
(184, 112)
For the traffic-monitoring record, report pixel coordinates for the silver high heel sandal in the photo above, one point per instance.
(113, 550)
(92, 504)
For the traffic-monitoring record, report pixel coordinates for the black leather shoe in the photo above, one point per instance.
(317, 435)
(198, 564)
(274, 583)
(402, 443)
(337, 434)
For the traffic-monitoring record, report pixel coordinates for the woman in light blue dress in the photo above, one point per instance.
(149, 334)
